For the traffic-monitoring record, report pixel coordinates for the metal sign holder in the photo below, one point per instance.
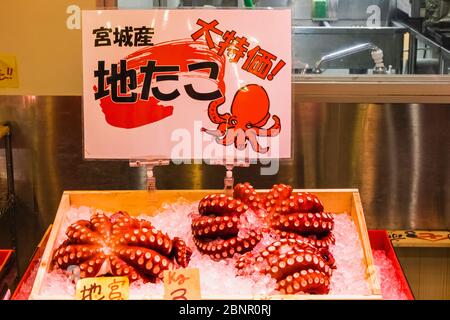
(229, 164)
(149, 165)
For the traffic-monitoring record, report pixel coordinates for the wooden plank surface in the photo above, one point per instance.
(420, 238)
(427, 270)
(358, 217)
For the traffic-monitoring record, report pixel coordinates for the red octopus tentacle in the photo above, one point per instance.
(306, 281)
(226, 248)
(102, 224)
(182, 253)
(276, 196)
(273, 251)
(240, 140)
(140, 259)
(300, 216)
(73, 254)
(143, 234)
(248, 195)
(273, 131)
(216, 229)
(283, 265)
(213, 112)
(298, 267)
(220, 132)
(251, 137)
(228, 139)
(322, 242)
(305, 202)
(122, 268)
(91, 267)
(220, 204)
(81, 232)
(212, 227)
(314, 223)
(151, 239)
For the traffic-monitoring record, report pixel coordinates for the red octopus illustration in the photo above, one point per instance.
(249, 113)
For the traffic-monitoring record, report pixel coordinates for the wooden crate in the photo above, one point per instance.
(142, 202)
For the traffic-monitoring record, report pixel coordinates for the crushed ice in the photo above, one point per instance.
(391, 287)
(349, 275)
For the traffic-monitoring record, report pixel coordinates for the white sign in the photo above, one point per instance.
(187, 84)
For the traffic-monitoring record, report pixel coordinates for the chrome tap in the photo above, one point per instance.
(377, 56)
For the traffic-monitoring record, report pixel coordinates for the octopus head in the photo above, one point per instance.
(250, 107)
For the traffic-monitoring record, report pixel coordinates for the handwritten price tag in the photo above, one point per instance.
(102, 288)
(182, 284)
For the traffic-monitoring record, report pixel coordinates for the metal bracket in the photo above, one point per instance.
(229, 164)
(149, 165)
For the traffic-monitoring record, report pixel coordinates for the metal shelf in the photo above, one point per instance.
(444, 54)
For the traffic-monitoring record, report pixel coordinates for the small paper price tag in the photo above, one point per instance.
(102, 288)
(182, 284)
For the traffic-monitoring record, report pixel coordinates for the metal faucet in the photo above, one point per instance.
(377, 56)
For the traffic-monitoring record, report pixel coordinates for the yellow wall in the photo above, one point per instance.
(48, 54)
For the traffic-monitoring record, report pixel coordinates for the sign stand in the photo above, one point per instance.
(149, 165)
(229, 164)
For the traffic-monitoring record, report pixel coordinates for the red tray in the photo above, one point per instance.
(7, 274)
(379, 240)
(23, 289)
(5, 255)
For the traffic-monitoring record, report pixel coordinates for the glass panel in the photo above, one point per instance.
(136, 4)
(362, 37)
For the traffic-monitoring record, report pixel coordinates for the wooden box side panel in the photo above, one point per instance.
(143, 202)
(134, 202)
(44, 266)
(357, 214)
(339, 200)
